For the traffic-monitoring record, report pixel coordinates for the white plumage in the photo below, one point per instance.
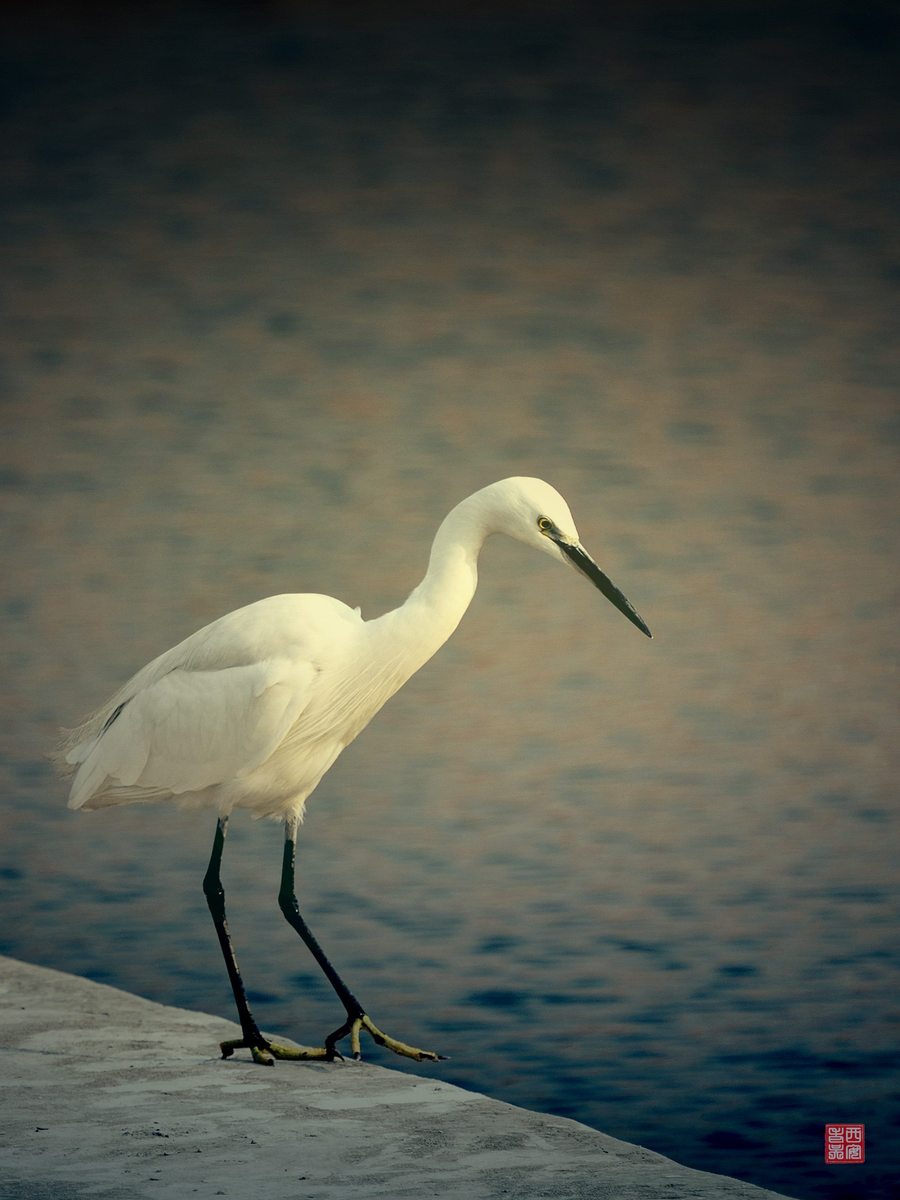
(239, 713)
(251, 711)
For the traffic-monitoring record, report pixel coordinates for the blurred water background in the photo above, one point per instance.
(283, 286)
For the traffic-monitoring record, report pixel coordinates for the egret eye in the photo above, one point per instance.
(544, 524)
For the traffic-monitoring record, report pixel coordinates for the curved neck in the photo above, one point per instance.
(431, 612)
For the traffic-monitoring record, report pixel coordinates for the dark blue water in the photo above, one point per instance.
(284, 289)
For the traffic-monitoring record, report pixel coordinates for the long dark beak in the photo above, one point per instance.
(580, 558)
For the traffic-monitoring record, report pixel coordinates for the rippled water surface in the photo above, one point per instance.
(284, 290)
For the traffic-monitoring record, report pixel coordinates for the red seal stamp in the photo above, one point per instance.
(845, 1143)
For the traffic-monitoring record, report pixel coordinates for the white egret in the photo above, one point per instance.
(251, 711)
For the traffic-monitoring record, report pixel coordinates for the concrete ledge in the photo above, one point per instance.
(110, 1096)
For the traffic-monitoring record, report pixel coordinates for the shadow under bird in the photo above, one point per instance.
(251, 711)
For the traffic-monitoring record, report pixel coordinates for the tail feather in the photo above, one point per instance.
(88, 780)
(81, 748)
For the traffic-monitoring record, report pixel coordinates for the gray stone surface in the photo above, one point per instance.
(107, 1095)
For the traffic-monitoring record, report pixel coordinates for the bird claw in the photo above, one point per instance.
(263, 1057)
(355, 1025)
(265, 1052)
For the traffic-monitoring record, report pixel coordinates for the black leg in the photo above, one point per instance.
(215, 898)
(287, 902)
(357, 1018)
(262, 1049)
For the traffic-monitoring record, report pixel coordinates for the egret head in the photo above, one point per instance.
(535, 513)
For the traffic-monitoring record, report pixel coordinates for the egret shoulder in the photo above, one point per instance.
(290, 625)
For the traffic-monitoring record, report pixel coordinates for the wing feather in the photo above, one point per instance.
(191, 729)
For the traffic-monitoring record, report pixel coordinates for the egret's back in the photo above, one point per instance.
(198, 722)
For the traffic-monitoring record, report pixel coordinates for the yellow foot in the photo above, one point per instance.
(266, 1053)
(356, 1024)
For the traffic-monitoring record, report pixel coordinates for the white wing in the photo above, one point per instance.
(192, 729)
(213, 708)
